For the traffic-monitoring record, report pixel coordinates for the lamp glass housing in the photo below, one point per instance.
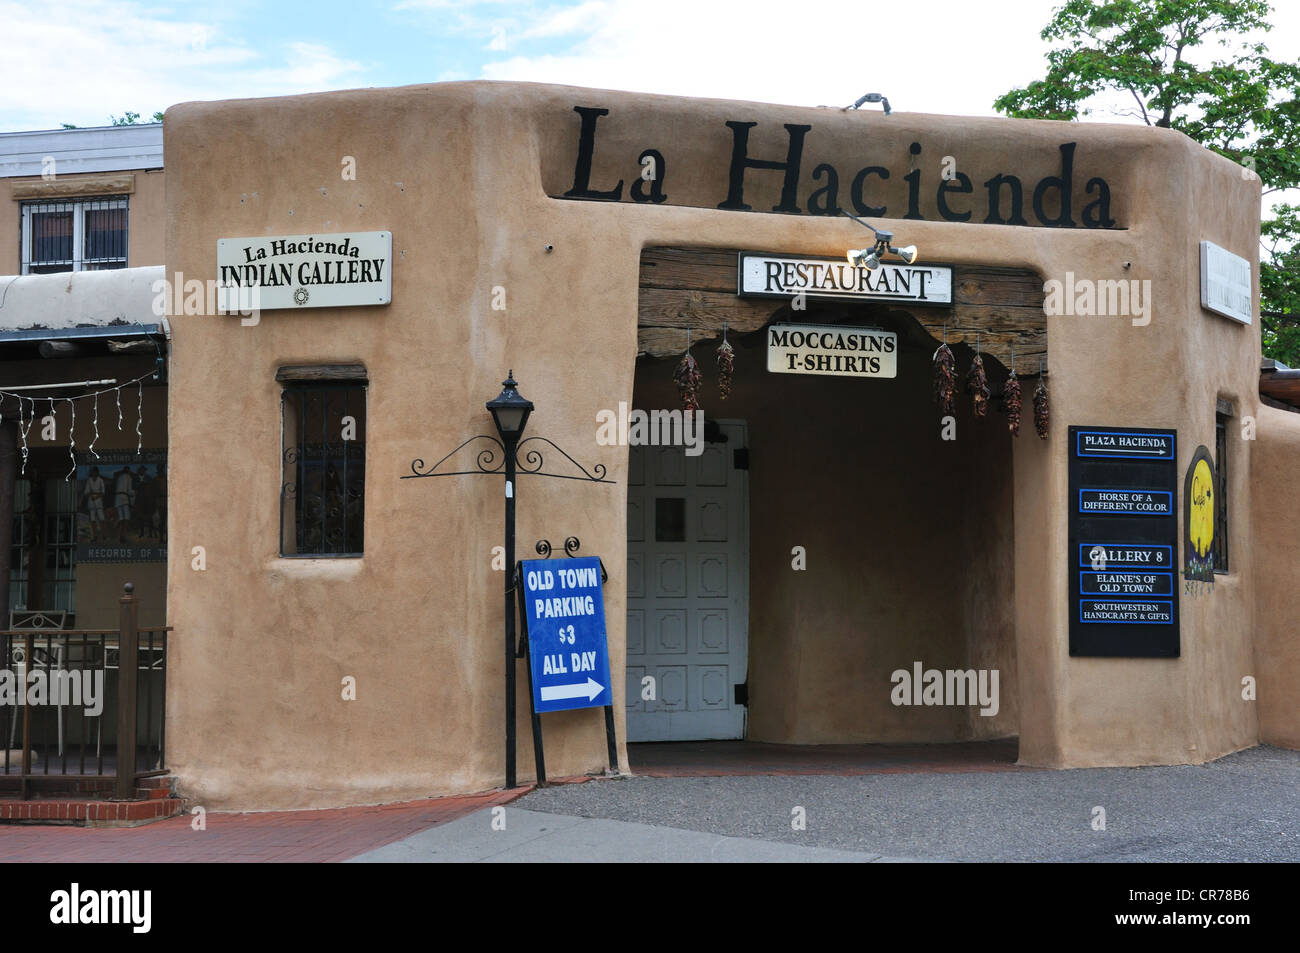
(510, 410)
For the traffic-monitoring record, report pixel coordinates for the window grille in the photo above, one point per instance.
(322, 487)
(1221, 422)
(74, 235)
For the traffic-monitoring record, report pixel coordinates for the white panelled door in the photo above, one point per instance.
(688, 590)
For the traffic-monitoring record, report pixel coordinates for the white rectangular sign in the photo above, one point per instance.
(347, 269)
(831, 349)
(1225, 283)
(777, 276)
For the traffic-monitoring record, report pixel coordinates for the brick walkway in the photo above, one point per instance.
(301, 836)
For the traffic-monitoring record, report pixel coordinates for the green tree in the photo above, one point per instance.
(131, 118)
(1241, 103)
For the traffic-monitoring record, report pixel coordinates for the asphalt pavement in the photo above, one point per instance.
(1245, 807)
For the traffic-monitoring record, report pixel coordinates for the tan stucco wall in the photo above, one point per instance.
(145, 216)
(1276, 547)
(460, 174)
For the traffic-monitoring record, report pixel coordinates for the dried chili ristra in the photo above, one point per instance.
(1040, 407)
(1011, 403)
(945, 380)
(977, 385)
(726, 368)
(688, 377)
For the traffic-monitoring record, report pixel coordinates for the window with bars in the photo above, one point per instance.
(323, 455)
(74, 235)
(1221, 424)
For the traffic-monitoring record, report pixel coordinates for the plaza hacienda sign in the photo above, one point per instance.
(305, 271)
(1008, 200)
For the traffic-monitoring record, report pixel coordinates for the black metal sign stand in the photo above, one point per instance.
(571, 545)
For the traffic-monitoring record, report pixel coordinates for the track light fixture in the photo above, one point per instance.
(873, 98)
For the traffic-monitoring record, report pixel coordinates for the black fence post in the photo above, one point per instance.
(128, 655)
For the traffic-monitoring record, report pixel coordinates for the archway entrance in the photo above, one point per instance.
(873, 546)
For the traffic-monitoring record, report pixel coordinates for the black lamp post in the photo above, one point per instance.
(510, 414)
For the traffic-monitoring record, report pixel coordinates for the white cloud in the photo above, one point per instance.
(941, 56)
(56, 59)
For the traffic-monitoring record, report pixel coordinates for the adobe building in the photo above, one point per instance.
(832, 529)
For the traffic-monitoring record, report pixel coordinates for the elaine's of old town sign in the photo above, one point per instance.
(1008, 200)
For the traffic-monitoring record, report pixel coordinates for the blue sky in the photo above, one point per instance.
(80, 61)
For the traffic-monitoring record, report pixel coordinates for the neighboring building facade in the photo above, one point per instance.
(81, 241)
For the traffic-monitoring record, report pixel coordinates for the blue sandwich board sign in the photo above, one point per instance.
(565, 613)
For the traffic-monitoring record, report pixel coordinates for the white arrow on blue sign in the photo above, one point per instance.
(565, 612)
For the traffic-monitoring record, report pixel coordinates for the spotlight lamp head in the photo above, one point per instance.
(868, 258)
(907, 253)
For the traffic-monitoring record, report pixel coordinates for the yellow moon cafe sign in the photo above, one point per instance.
(1200, 518)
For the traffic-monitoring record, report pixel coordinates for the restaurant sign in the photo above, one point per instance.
(784, 276)
(831, 349)
(305, 271)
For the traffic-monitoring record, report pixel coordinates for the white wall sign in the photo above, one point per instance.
(784, 276)
(1225, 283)
(305, 271)
(831, 349)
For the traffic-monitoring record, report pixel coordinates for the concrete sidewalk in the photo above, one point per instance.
(530, 836)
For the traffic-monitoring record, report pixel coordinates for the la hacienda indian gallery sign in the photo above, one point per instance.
(305, 271)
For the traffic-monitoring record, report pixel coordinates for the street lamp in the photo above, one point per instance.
(510, 414)
(509, 410)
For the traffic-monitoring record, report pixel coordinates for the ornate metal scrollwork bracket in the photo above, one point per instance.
(571, 546)
(492, 459)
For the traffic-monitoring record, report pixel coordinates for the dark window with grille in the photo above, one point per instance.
(74, 235)
(1221, 425)
(322, 492)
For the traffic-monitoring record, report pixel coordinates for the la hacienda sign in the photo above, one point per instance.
(809, 186)
(784, 276)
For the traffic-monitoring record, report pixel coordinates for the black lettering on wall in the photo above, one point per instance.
(1062, 184)
(1101, 218)
(740, 161)
(855, 191)
(959, 183)
(913, 180)
(656, 194)
(994, 185)
(830, 190)
(586, 149)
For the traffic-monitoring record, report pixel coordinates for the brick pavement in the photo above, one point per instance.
(299, 836)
